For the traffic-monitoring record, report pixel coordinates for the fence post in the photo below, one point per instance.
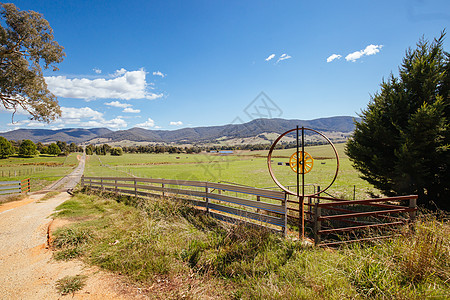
(317, 223)
(285, 215)
(135, 187)
(310, 208)
(207, 198)
(258, 198)
(115, 187)
(412, 204)
(29, 185)
(101, 183)
(82, 181)
(163, 187)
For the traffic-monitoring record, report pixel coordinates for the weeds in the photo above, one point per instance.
(48, 196)
(70, 284)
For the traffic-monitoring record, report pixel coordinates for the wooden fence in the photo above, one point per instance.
(226, 202)
(12, 187)
(327, 218)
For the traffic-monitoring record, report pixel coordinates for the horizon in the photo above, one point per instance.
(173, 65)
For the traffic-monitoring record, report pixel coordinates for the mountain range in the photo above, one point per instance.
(342, 125)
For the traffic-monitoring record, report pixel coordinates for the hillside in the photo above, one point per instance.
(340, 126)
(69, 135)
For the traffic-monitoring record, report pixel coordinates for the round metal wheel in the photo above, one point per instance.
(309, 162)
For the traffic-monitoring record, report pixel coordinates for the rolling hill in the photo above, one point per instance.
(342, 126)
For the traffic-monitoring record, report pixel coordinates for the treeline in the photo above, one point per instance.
(105, 148)
(28, 148)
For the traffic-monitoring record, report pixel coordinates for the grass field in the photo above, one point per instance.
(241, 167)
(42, 169)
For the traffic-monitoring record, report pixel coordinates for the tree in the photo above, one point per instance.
(116, 151)
(6, 148)
(73, 147)
(27, 148)
(90, 149)
(26, 44)
(53, 149)
(402, 143)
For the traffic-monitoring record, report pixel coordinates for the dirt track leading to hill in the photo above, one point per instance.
(27, 270)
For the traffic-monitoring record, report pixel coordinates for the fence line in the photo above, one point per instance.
(326, 217)
(20, 172)
(215, 198)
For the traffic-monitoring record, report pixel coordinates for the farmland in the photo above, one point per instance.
(42, 169)
(241, 167)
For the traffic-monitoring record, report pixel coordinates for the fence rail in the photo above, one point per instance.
(231, 203)
(13, 187)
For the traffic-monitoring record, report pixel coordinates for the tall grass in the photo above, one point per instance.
(164, 238)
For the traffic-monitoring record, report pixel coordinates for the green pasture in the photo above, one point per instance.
(42, 169)
(242, 167)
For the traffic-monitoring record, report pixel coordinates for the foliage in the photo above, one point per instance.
(26, 44)
(53, 149)
(90, 149)
(27, 148)
(402, 144)
(6, 148)
(116, 151)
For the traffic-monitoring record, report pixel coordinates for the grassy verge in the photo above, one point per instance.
(172, 250)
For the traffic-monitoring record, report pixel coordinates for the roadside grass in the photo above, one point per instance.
(70, 284)
(11, 198)
(48, 196)
(162, 241)
(42, 169)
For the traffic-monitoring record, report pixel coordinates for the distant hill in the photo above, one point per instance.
(340, 126)
(69, 135)
(245, 130)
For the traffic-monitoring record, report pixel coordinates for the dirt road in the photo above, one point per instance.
(27, 270)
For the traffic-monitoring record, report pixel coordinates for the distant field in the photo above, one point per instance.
(43, 170)
(242, 167)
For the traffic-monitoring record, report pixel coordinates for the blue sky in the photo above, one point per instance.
(174, 64)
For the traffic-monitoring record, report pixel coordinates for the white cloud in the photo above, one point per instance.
(333, 57)
(98, 71)
(147, 124)
(177, 123)
(84, 117)
(118, 104)
(369, 50)
(78, 113)
(270, 57)
(159, 73)
(126, 85)
(119, 72)
(116, 123)
(131, 110)
(283, 57)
